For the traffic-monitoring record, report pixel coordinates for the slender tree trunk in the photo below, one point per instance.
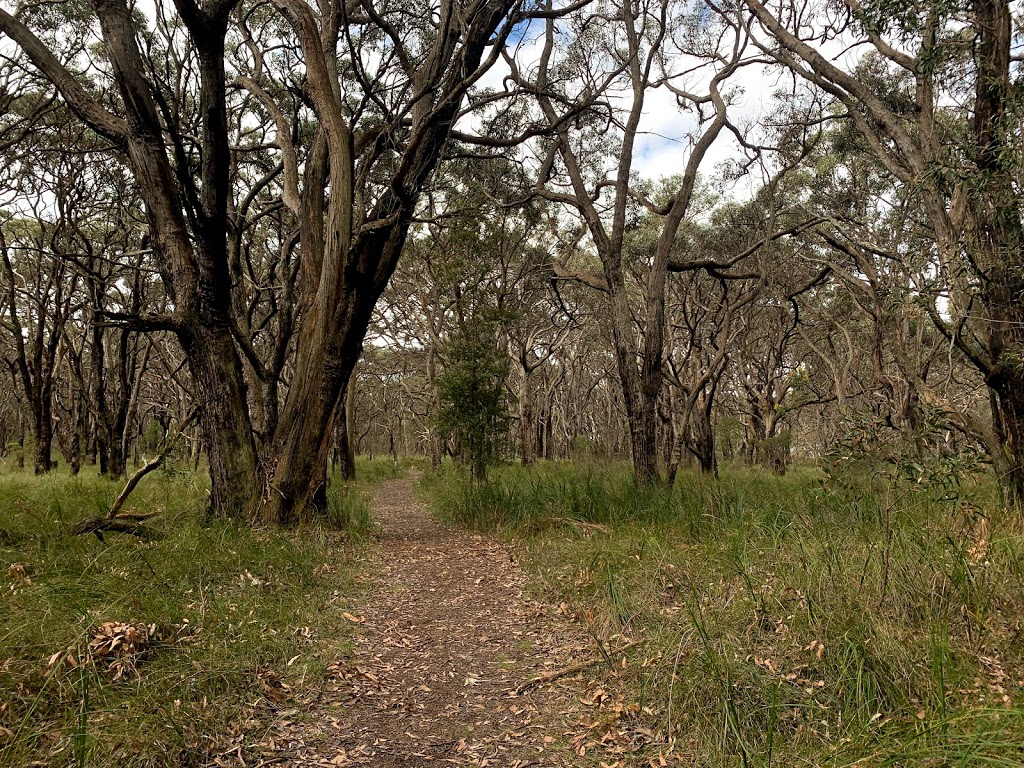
(758, 435)
(21, 441)
(81, 417)
(527, 428)
(43, 423)
(704, 442)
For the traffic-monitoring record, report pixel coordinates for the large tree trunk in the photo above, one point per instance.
(304, 443)
(114, 464)
(345, 444)
(330, 343)
(999, 239)
(641, 411)
(220, 391)
(1008, 418)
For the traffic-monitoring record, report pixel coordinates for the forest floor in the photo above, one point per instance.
(557, 615)
(452, 663)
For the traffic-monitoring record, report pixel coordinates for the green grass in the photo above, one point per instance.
(794, 620)
(380, 468)
(237, 613)
(348, 505)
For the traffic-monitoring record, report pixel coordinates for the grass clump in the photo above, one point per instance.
(372, 471)
(167, 651)
(795, 620)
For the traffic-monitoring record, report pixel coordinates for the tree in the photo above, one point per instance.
(935, 101)
(604, 80)
(471, 394)
(38, 294)
(185, 187)
(373, 143)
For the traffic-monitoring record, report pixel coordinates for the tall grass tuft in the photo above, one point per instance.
(796, 620)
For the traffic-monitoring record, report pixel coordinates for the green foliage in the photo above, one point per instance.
(905, 19)
(729, 433)
(152, 437)
(232, 610)
(922, 459)
(583, 448)
(777, 450)
(471, 394)
(784, 620)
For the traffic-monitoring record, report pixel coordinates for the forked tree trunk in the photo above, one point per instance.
(345, 271)
(301, 456)
(330, 344)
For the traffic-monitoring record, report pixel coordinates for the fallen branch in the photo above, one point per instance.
(132, 522)
(572, 669)
(127, 523)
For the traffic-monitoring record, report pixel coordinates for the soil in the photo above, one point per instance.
(445, 640)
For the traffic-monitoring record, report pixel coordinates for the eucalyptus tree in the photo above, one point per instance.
(39, 291)
(478, 251)
(936, 98)
(592, 94)
(385, 84)
(164, 108)
(890, 364)
(372, 90)
(759, 328)
(49, 199)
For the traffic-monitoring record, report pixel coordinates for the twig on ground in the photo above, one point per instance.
(572, 669)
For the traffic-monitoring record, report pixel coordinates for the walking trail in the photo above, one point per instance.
(445, 636)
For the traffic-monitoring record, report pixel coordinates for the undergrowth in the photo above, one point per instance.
(169, 650)
(796, 620)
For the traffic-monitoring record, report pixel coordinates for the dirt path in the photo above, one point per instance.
(445, 637)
